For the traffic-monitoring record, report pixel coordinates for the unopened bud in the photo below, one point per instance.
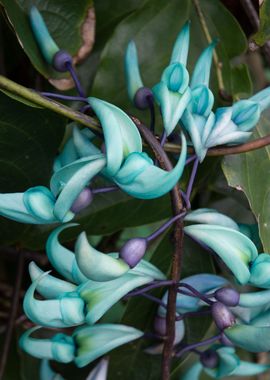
(222, 316)
(160, 325)
(228, 296)
(83, 200)
(60, 61)
(133, 251)
(142, 97)
(209, 359)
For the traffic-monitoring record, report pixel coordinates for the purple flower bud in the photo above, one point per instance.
(222, 316)
(60, 61)
(142, 96)
(133, 251)
(226, 341)
(228, 296)
(209, 359)
(160, 325)
(82, 201)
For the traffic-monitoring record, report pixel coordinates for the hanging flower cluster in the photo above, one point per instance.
(92, 282)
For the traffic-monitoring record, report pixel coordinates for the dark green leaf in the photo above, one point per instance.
(263, 34)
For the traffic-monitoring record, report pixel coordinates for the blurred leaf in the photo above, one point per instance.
(64, 19)
(249, 172)
(263, 34)
(29, 138)
(241, 82)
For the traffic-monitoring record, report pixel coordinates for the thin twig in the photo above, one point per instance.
(12, 316)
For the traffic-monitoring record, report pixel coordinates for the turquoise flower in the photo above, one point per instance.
(84, 346)
(219, 362)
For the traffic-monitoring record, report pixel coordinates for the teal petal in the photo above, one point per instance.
(100, 370)
(46, 373)
(260, 271)
(39, 202)
(45, 42)
(211, 216)
(67, 156)
(120, 133)
(101, 296)
(12, 206)
(82, 142)
(62, 259)
(193, 373)
(234, 248)
(222, 121)
(255, 299)
(250, 338)
(250, 369)
(161, 181)
(263, 98)
(172, 105)
(202, 101)
(96, 265)
(191, 126)
(60, 348)
(262, 320)
(132, 71)
(71, 180)
(230, 138)
(202, 69)
(176, 78)
(228, 362)
(66, 310)
(181, 46)
(144, 268)
(204, 283)
(95, 341)
(246, 114)
(49, 286)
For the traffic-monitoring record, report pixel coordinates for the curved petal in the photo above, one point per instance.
(232, 138)
(83, 144)
(60, 348)
(181, 46)
(194, 132)
(193, 373)
(71, 180)
(262, 97)
(144, 268)
(250, 369)
(255, 299)
(250, 338)
(101, 296)
(132, 70)
(246, 114)
(172, 105)
(67, 310)
(202, 100)
(96, 265)
(46, 373)
(62, 259)
(228, 362)
(176, 78)
(161, 180)
(211, 216)
(95, 341)
(120, 133)
(45, 42)
(49, 286)
(235, 249)
(100, 371)
(39, 202)
(262, 320)
(260, 271)
(67, 156)
(201, 72)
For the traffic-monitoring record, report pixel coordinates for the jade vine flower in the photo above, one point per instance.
(86, 344)
(219, 362)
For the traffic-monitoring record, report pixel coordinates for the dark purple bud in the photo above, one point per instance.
(61, 60)
(83, 200)
(142, 98)
(160, 325)
(226, 341)
(133, 251)
(228, 296)
(222, 316)
(209, 359)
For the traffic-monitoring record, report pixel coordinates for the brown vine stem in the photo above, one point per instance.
(33, 97)
(177, 207)
(12, 315)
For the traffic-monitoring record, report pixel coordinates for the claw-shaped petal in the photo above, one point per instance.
(235, 249)
(260, 271)
(62, 259)
(60, 348)
(66, 310)
(263, 98)
(120, 133)
(211, 216)
(201, 72)
(132, 71)
(46, 373)
(193, 373)
(95, 341)
(181, 46)
(96, 265)
(134, 175)
(250, 338)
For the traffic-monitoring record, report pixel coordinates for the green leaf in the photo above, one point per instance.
(263, 34)
(241, 82)
(154, 48)
(29, 139)
(64, 19)
(249, 172)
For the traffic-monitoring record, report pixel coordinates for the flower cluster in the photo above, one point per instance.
(92, 282)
